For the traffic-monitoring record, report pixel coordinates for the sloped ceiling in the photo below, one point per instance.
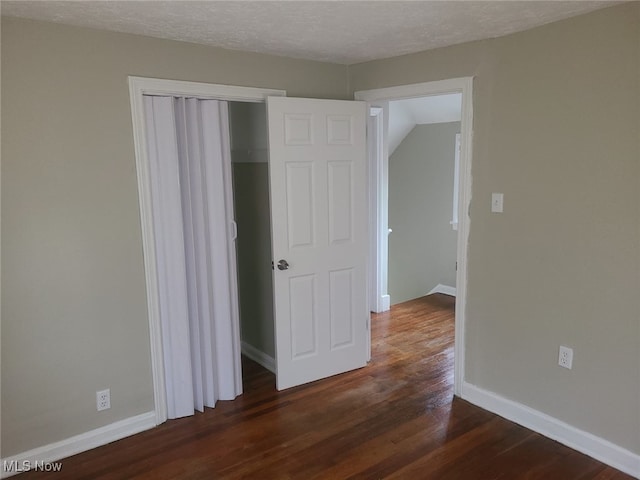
(404, 115)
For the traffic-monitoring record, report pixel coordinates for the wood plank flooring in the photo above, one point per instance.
(396, 418)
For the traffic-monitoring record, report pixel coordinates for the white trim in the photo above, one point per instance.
(139, 86)
(380, 98)
(230, 93)
(385, 302)
(83, 442)
(587, 443)
(377, 214)
(399, 92)
(258, 356)
(444, 289)
(456, 183)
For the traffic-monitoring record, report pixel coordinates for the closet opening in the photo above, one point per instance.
(190, 190)
(250, 172)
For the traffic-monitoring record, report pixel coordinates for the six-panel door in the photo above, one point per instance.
(317, 171)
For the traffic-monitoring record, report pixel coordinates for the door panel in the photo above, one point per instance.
(303, 309)
(317, 171)
(341, 290)
(300, 204)
(340, 202)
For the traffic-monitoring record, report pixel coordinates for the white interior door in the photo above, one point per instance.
(317, 170)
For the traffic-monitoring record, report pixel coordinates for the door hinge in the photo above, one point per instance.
(368, 323)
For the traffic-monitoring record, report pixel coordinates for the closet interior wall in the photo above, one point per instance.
(249, 156)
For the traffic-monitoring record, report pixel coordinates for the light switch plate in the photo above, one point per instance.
(497, 200)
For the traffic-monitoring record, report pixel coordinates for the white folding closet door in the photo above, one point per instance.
(188, 145)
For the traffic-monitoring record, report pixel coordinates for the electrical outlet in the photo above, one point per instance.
(565, 357)
(103, 400)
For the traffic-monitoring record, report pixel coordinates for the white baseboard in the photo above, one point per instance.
(445, 289)
(78, 443)
(385, 302)
(587, 443)
(258, 356)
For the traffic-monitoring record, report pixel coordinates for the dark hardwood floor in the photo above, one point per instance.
(396, 418)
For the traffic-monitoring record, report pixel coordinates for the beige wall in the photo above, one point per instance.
(556, 130)
(422, 247)
(73, 298)
(556, 121)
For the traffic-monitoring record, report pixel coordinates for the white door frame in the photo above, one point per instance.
(139, 86)
(379, 182)
(377, 124)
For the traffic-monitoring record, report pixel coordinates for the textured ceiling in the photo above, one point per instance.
(343, 32)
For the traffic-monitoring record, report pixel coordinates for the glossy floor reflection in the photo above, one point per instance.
(395, 418)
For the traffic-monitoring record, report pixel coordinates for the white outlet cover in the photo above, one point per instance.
(103, 400)
(565, 357)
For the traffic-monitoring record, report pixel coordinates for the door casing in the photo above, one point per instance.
(139, 86)
(378, 178)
